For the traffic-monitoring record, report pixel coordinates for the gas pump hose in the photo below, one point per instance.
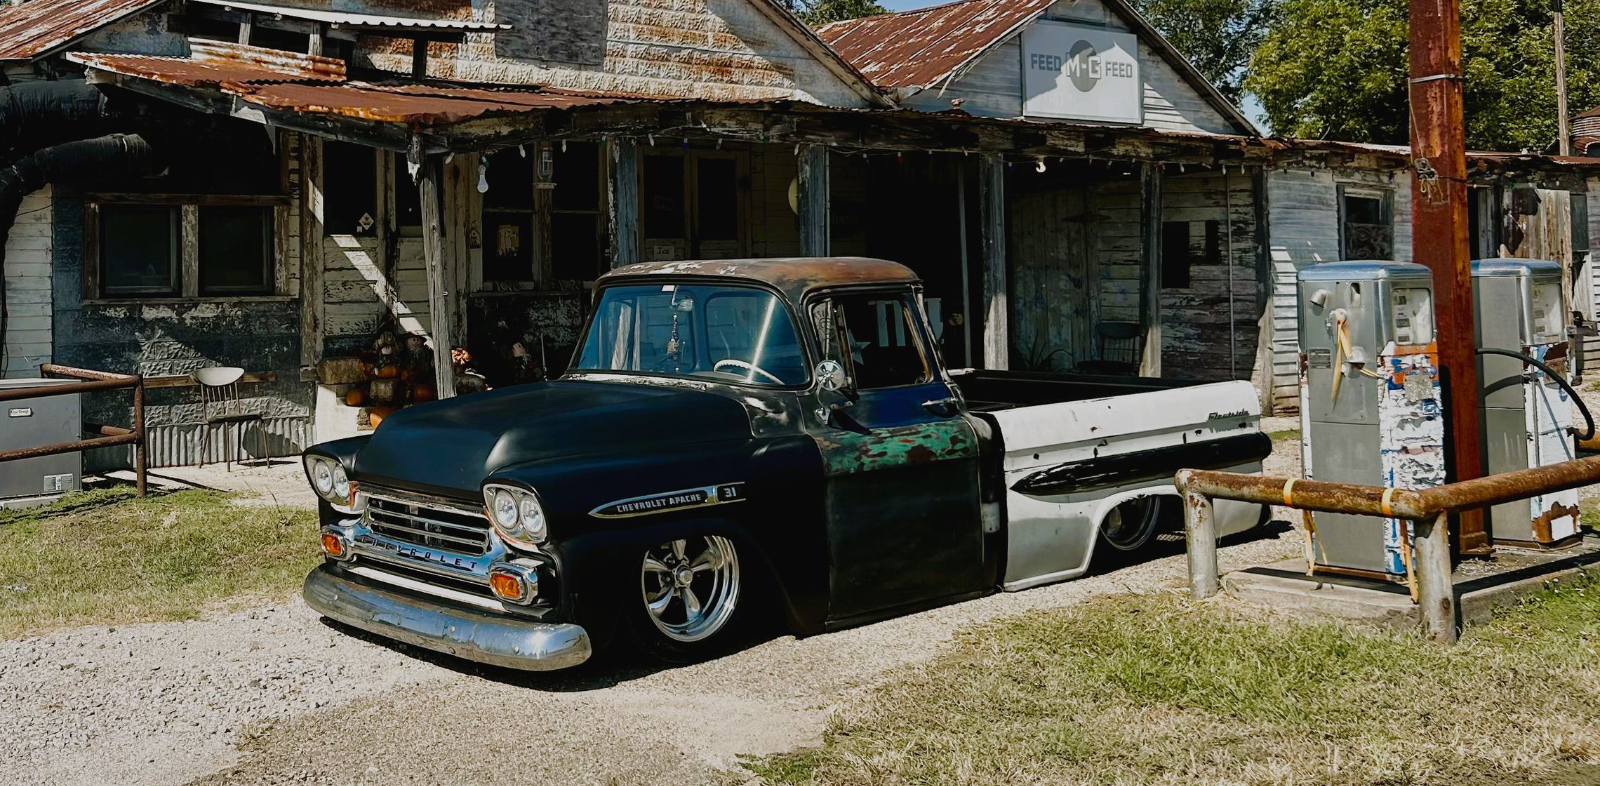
(1560, 379)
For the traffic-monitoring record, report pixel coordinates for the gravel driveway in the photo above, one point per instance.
(274, 695)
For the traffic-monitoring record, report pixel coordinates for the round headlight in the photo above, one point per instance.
(532, 519)
(322, 477)
(341, 482)
(504, 508)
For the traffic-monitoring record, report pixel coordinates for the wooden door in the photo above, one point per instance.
(1053, 268)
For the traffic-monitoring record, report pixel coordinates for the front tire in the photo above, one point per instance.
(688, 600)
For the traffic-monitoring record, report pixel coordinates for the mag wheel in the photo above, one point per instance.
(689, 593)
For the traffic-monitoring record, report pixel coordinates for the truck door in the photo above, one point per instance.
(901, 461)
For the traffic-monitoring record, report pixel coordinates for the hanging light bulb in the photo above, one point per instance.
(1039, 167)
(522, 151)
(563, 145)
(483, 175)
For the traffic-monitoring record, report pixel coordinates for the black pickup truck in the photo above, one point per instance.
(784, 424)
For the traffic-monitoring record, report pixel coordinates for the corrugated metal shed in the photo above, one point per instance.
(353, 19)
(920, 48)
(39, 27)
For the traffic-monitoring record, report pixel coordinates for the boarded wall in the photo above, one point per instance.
(27, 288)
(1209, 329)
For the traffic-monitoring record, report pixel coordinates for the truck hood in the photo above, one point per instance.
(450, 446)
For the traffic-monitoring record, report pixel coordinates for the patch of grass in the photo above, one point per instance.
(104, 557)
(1155, 689)
(1286, 434)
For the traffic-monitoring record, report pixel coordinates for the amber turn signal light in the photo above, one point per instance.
(332, 545)
(506, 586)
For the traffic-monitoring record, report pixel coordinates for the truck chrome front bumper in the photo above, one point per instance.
(465, 633)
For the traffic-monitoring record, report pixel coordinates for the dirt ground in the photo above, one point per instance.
(274, 695)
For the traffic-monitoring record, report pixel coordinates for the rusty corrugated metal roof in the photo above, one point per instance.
(354, 19)
(215, 64)
(920, 48)
(39, 27)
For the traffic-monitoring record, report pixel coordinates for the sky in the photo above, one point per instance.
(1251, 107)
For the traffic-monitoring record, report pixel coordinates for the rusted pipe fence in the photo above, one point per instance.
(1428, 511)
(110, 436)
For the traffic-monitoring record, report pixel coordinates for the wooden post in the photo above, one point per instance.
(419, 59)
(139, 458)
(1435, 592)
(622, 200)
(1564, 135)
(813, 201)
(438, 296)
(1150, 290)
(992, 219)
(1439, 228)
(313, 301)
(1200, 528)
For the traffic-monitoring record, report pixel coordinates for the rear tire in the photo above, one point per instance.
(1129, 526)
(689, 598)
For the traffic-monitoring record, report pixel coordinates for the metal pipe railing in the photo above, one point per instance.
(111, 436)
(1428, 510)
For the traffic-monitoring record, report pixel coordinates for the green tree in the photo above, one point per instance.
(1338, 69)
(821, 12)
(1218, 36)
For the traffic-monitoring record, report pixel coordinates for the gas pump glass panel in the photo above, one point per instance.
(1412, 309)
(737, 334)
(1546, 312)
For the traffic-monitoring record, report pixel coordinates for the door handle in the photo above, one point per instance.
(940, 405)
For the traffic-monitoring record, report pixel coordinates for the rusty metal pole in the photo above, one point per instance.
(139, 458)
(1439, 231)
(1565, 143)
(1200, 527)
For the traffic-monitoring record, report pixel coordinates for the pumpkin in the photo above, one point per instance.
(423, 391)
(376, 415)
(390, 371)
(355, 397)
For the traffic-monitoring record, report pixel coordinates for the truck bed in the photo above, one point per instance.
(991, 391)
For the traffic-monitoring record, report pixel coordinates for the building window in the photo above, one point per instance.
(350, 189)
(508, 210)
(542, 214)
(576, 231)
(1366, 223)
(180, 245)
(235, 250)
(140, 250)
(1185, 244)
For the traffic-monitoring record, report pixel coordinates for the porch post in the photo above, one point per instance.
(428, 183)
(622, 200)
(1150, 288)
(992, 219)
(813, 201)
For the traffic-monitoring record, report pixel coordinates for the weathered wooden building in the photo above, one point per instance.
(554, 139)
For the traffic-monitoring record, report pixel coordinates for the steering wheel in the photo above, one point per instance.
(740, 364)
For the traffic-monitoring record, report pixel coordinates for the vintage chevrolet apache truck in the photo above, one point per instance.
(728, 425)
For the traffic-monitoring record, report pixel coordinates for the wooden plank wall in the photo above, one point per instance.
(27, 287)
(1303, 214)
(992, 87)
(1215, 317)
(1591, 347)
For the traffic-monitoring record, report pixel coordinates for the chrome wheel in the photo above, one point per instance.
(690, 587)
(1131, 524)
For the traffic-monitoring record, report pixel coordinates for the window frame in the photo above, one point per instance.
(917, 327)
(1385, 199)
(188, 273)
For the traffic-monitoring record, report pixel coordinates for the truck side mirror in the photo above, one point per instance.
(831, 376)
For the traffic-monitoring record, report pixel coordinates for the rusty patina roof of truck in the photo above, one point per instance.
(794, 276)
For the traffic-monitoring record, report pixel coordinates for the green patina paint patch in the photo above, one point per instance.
(848, 452)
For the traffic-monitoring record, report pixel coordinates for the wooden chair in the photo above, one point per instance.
(1119, 349)
(220, 406)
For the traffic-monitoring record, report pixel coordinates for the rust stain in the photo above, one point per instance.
(216, 64)
(793, 277)
(37, 27)
(919, 48)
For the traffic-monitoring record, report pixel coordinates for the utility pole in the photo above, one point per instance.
(1565, 144)
(1439, 230)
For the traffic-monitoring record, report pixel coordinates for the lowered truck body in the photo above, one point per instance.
(733, 425)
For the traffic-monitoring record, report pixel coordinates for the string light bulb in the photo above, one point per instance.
(483, 174)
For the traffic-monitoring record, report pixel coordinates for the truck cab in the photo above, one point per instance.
(731, 427)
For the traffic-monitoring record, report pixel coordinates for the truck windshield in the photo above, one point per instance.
(725, 333)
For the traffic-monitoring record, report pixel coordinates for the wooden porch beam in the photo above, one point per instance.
(622, 200)
(428, 186)
(992, 220)
(814, 189)
(1150, 282)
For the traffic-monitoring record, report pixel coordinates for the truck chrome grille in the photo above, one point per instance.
(433, 526)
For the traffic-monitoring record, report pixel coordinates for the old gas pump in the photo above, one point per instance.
(1522, 319)
(1369, 402)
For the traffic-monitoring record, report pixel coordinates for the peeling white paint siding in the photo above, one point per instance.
(708, 49)
(1303, 221)
(992, 87)
(29, 252)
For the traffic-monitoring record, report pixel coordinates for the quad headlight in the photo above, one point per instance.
(331, 482)
(516, 514)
